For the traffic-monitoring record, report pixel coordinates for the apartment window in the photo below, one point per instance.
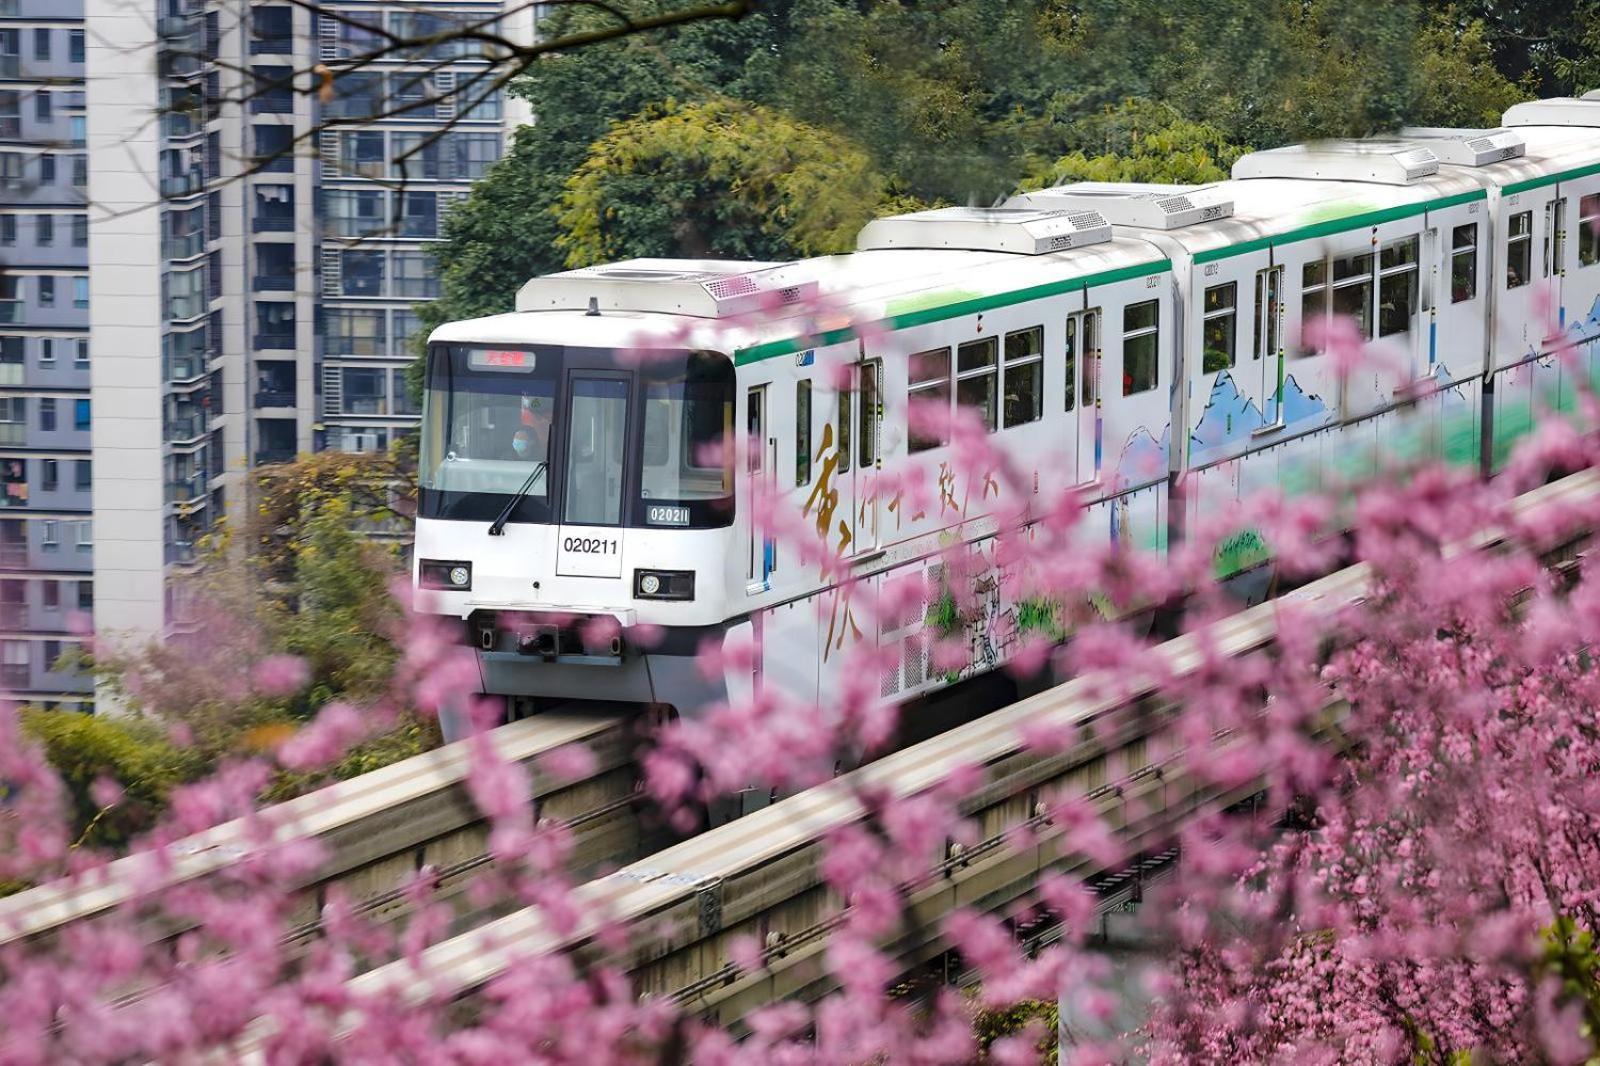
(274, 148)
(49, 475)
(52, 650)
(11, 117)
(43, 105)
(41, 43)
(357, 94)
(1352, 290)
(82, 469)
(349, 331)
(47, 351)
(274, 324)
(975, 378)
(44, 230)
(1589, 230)
(47, 169)
(80, 171)
(80, 231)
(51, 595)
(273, 28)
(186, 293)
(80, 358)
(1519, 250)
(357, 212)
(414, 275)
(1397, 286)
(274, 92)
(472, 154)
(47, 414)
(403, 403)
(1219, 327)
(364, 392)
(411, 94)
(84, 535)
(361, 272)
(75, 46)
(361, 152)
(8, 229)
(50, 534)
(78, 130)
(80, 293)
(80, 414)
(406, 326)
(802, 432)
(275, 266)
(1023, 381)
(47, 290)
(1141, 345)
(15, 656)
(419, 216)
(488, 109)
(85, 594)
(929, 397)
(419, 155)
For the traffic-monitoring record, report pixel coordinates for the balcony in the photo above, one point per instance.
(13, 433)
(181, 552)
(10, 127)
(173, 27)
(275, 398)
(188, 489)
(10, 66)
(186, 246)
(13, 554)
(266, 341)
(274, 282)
(265, 456)
(272, 46)
(184, 370)
(186, 429)
(14, 675)
(273, 223)
(11, 373)
(11, 312)
(176, 185)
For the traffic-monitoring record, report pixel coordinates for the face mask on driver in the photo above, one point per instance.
(520, 446)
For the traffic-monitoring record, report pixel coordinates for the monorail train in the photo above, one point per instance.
(565, 477)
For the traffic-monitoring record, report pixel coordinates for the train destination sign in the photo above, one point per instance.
(501, 359)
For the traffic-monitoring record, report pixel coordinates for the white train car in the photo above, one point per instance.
(1164, 347)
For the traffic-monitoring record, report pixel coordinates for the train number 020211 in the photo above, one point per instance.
(589, 545)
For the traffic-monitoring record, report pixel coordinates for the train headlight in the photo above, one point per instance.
(663, 584)
(451, 576)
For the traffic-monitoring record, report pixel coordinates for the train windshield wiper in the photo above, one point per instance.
(499, 526)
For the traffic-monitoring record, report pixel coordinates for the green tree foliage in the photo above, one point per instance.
(719, 179)
(133, 753)
(1145, 142)
(1546, 47)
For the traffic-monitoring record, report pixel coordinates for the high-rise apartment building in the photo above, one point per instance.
(207, 263)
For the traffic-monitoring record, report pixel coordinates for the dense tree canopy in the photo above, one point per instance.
(956, 102)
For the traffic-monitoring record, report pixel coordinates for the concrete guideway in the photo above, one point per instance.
(759, 876)
(378, 830)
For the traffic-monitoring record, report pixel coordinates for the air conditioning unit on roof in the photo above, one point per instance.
(1132, 204)
(1386, 162)
(1023, 230)
(704, 288)
(1560, 111)
(1469, 148)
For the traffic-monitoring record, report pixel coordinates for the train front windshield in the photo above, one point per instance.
(588, 438)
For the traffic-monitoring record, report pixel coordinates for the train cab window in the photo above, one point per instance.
(802, 433)
(1352, 290)
(1519, 250)
(1464, 263)
(975, 378)
(1141, 346)
(1024, 376)
(1397, 286)
(1220, 322)
(1313, 301)
(928, 400)
(596, 441)
(1589, 230)
(687, 458)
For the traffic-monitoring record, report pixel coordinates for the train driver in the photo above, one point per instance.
(531, 440)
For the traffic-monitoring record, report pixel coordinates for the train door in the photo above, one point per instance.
(1554, 249)
(589, 541)
(1266, 347)
(869, 454)
(760, 468)
(1522, 228)
(1083, 392)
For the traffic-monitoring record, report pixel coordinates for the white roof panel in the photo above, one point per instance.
(1161, 207)
(1383, 162)
(1019, 230)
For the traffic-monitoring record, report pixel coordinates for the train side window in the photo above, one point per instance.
(870, 409)
(1089, 343)
(1024, 370)
(1219, 330)
(802, 433)
(1519, 250)
(1313, 301)
(1397, 286)
(975, 378)
(929, 397)
(1464, 263)
(1556, 240)
(1589, 230)
(1072, 361)
(1141, 346)
(1352, 290)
